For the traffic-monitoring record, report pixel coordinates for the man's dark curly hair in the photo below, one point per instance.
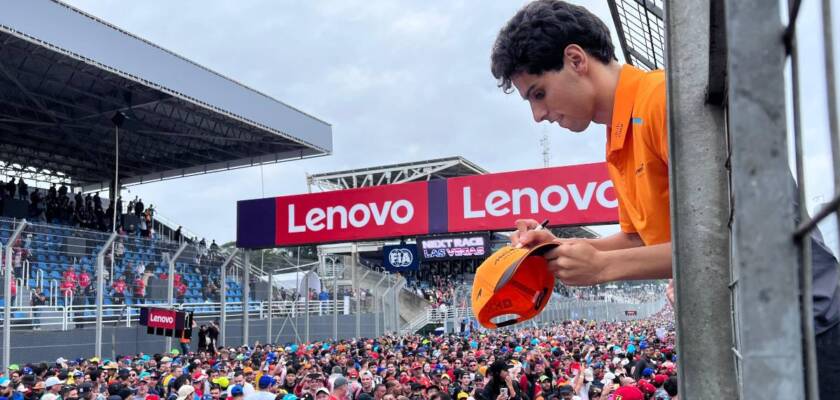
(533, 41)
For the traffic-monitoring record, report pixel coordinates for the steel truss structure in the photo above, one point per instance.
(397, 173)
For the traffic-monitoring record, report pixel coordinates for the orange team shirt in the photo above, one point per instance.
(637, 154)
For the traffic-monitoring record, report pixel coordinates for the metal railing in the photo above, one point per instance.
(554, 312)
(84, 315)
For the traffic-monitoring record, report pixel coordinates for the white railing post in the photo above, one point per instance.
(223, 298)
(25, 275)
(246, 293)
(7, 292)
(171, 286)
(100, 291)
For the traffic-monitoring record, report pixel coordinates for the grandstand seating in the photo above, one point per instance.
(55, 248)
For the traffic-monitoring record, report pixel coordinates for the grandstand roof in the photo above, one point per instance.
(449, 167)
(64, 74)
(641, 31)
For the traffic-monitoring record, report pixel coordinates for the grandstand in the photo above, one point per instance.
(104, 114)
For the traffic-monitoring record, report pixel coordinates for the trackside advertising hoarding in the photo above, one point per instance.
(572, 195)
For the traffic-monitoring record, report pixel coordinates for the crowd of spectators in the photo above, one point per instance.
(570, 360)
(59, 205)
(438, 290)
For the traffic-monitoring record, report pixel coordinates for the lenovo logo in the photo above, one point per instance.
(528, 200)
(358, 215)
(162, 319)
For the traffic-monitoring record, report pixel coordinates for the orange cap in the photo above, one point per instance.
(512, 281)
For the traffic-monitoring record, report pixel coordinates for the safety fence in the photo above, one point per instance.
(556, 311)
(79, 316)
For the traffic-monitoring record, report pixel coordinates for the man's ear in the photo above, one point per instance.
(575, 58)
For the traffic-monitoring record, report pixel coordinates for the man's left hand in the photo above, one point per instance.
(576, 263)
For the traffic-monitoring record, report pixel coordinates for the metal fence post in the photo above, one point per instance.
(170, 296)
(699, 206)
(767, 304)
(246, 292)
(7, 293)
(223, 297)
(270, 303)
(356, 290)
(376, 305)
(100, 291)
(335, 302)
(306, 301)
(382, 307)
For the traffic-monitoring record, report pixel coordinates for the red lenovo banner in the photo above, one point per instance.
(573, 195)
(576, 195)
(160, 318)
(374, 212)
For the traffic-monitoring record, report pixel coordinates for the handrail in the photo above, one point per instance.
(39, 279)
(25, 274)
(53, 291)
(69, 315)
(20, 291)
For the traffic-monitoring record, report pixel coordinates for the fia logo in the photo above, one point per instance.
(400, 258)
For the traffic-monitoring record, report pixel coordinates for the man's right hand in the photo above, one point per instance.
(526, 236)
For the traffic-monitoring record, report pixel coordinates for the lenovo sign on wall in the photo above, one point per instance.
(574, 195)
(579, 195)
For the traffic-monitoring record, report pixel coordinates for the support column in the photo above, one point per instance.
(100, 292)
(765, 262)
(270, 304)
(699, 206)
(7, 293)
(355, 289)
(335, 302)
(306, 297)
(223, 302)
(376, 306)
(246, 292)
(171, 285)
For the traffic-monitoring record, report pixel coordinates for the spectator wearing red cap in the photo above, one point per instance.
(628, 393)
(658, 383)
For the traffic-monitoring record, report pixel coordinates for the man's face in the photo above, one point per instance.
(215, 393)
(564, 97)
(391, 368)
(239, 379)
(142, 388)
(322, 396)
(479, 383)
(380, 391)
(473, 366)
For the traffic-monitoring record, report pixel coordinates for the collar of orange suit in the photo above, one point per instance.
(625, 97)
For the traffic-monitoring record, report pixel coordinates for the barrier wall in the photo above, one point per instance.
(47, 346)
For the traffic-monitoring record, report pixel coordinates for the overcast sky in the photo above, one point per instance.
(399, 81)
